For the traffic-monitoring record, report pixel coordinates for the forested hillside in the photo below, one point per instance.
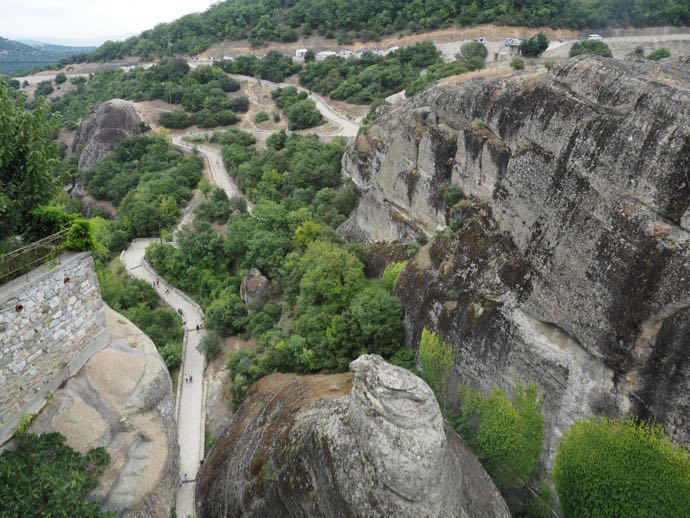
(262, 21)
(16, 56)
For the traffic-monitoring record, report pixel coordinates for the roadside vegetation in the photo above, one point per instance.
(596, 47)
(301, 112)
(265, 21)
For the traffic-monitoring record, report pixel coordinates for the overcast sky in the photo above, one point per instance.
(88, 22)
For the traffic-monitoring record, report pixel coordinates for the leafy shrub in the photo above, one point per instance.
(79, 236)
(535, 45)
(597, 47)
(437, 360)
(658, 54)
(391, 273)
(175, 120)
(172, 354)
(639, 51)
(44, 88)
(507, 436)
(60, 78)
(474, 53)
(261, 117)
(608, 468)
(45, 477)
(210, 345)
(517, 64)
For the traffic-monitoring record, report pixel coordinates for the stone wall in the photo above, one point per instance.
(51, 323)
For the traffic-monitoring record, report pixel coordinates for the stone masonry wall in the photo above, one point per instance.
(50, 325)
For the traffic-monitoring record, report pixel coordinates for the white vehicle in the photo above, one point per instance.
(481, 40)
(594, 37)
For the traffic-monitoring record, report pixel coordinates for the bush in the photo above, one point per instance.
(43, 476)
(639, 51)
(658, 54)
(390, 275)
(535, 45)
(261, 117)
(608, 468)
(596, 47)
(210, 345)
(175, 120)
(60, 78)
(172, 355)
(517, 64)
(506, 436)
(437, 359)
(474, 53)
(44, 88)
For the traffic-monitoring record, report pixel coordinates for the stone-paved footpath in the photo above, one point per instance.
(190, 409)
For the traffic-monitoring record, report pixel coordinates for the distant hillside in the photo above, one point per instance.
(263, 21)
(16, 56)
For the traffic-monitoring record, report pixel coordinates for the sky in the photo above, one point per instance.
(88, 22)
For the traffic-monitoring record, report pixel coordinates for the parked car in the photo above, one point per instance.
(481, 39)
(594, 37)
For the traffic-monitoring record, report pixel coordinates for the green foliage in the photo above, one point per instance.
(45, 477)
(597, 47)
(60, 78)
(391, 273)
(24, 423)
(473, 53)
(639, 51)
(261, 117)
(175, 120)
(517, 64)
(300, 111)
(227, 315)
(43, 89)
(46, 220)
(148, 181)
(535, 45)
(138, 301)
(210, 345)
(506, 435)
(27, 160)
(608, 468)
(79, 236)
(274, 66)
(437, 360)
(660, 53)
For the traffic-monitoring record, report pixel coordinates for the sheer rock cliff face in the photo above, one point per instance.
(369, 444)
(571, 267)
(114, 121)
(122, 400)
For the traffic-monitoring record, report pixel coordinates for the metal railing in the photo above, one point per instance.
(26, 258)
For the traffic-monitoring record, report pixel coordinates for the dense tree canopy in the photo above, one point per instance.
(262, 21)
(28, 155)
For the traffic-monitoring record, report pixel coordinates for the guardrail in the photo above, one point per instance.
(26, 258)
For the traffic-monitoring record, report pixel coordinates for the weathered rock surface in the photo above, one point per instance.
(122, 400)
(112, 122)
(572, 264)
(254, 286)
(372, 444)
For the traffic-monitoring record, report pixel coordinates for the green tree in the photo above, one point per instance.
(535, 45)
(473, 53)
(596, 47)
(506, 435)
(437, 359)
(608, 468)
(60, 78)
(43, 89)
(227, 314)
(28, 158)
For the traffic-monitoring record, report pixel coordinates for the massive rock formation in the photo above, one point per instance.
(372, 445)
(254, 287)
(571, 265)
(122, 400)
(114, 121)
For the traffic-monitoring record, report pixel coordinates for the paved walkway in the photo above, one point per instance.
(190, 408)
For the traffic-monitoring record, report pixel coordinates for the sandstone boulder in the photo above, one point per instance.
(122, 400)
(570, 260)
(112, 122)
(254, 287)
(368, 444)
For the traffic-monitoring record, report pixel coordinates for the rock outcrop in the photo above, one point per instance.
(122, 400)
(372, 444)
(570, 265)
(254, 287)
(112, 122)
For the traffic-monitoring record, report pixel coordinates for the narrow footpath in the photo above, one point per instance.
(189, 409)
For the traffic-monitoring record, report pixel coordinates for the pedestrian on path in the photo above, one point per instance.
(197, 328)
